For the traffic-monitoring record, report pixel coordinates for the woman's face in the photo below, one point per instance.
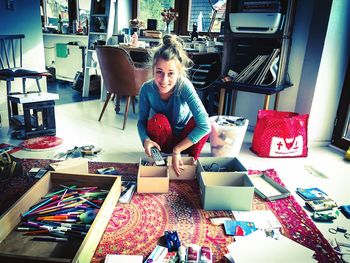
(165, 75)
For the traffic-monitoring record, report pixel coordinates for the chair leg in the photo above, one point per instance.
(38, 84)
(133, 104)
(24, 85)
(117, 104)
(126, 111)
(105, 105)
(9, 109)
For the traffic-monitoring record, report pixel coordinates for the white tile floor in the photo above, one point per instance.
(77, 125)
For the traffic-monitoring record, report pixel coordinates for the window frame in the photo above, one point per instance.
(180, 24)
(341, 119)
(73, 11)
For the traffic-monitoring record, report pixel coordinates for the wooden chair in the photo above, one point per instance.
(11, 65)
(120, 76)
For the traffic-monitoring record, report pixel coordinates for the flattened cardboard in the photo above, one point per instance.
(226, 191)
(189, 171)
(267, 188)
(76, 165)
(15, 247)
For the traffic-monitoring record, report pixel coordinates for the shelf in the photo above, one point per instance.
(235, 36)
(267, 90)
(102, 14)
(99, 15)
(98, 33)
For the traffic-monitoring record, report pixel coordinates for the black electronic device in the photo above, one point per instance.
(151, 24)
(157, 157)
(194, 33)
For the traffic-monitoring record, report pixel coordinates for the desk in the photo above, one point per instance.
(140, 56)
(66, 67)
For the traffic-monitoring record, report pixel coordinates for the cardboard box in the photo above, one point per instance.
(15, 247)
(219, 164)
(189, 171)
(152, 179)
(76, 165)
(226, 191)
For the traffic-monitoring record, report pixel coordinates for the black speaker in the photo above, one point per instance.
(151, 24)
(222, 28)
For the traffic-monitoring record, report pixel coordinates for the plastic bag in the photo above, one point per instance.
(280, 134)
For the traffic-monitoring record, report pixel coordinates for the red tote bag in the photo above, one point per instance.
(280, 134)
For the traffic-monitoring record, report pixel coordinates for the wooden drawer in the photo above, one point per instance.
(14, 247)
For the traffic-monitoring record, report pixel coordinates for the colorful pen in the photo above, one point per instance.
(55, 239)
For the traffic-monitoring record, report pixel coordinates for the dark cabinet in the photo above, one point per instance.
(256, 52)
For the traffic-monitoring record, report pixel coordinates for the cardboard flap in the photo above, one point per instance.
(76, 165)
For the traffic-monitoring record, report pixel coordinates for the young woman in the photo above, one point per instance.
(172, 118)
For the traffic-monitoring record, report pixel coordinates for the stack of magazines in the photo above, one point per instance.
(127, 191)
(261, 71)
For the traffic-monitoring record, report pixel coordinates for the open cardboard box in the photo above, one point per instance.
(14, 247)
(219, 164)
(226, 191)
(189, 171)
(152, 179)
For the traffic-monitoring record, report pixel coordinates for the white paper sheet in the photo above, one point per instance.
(256, 247)
(263, 219)
(123, 258)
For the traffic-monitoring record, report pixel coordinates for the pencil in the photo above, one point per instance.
(54, 239)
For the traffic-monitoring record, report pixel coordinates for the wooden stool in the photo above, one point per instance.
(38, 116)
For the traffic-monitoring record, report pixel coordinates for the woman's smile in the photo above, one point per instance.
(165, 75)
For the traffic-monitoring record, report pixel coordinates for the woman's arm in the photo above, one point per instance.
(198, 111)
(202, 127)
(144, 109)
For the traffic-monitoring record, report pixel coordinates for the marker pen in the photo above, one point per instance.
(54, 239)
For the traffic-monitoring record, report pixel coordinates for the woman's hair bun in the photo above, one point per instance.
(172, 40)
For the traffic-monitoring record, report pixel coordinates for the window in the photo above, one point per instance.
(341, 133)
(151, 9)
(54, 9)
(208, 15)
(68, 11)
(84, 13)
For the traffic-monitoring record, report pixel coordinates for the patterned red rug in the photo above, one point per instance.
(135, 228)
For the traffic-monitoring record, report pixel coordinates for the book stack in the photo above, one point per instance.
(316, 199)
(261, 71)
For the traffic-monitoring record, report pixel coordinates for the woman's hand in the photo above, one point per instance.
(148, 144)
(177, 163)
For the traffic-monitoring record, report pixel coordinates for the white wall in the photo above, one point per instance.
(25, 19)
(331, 74)
(123, 14)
